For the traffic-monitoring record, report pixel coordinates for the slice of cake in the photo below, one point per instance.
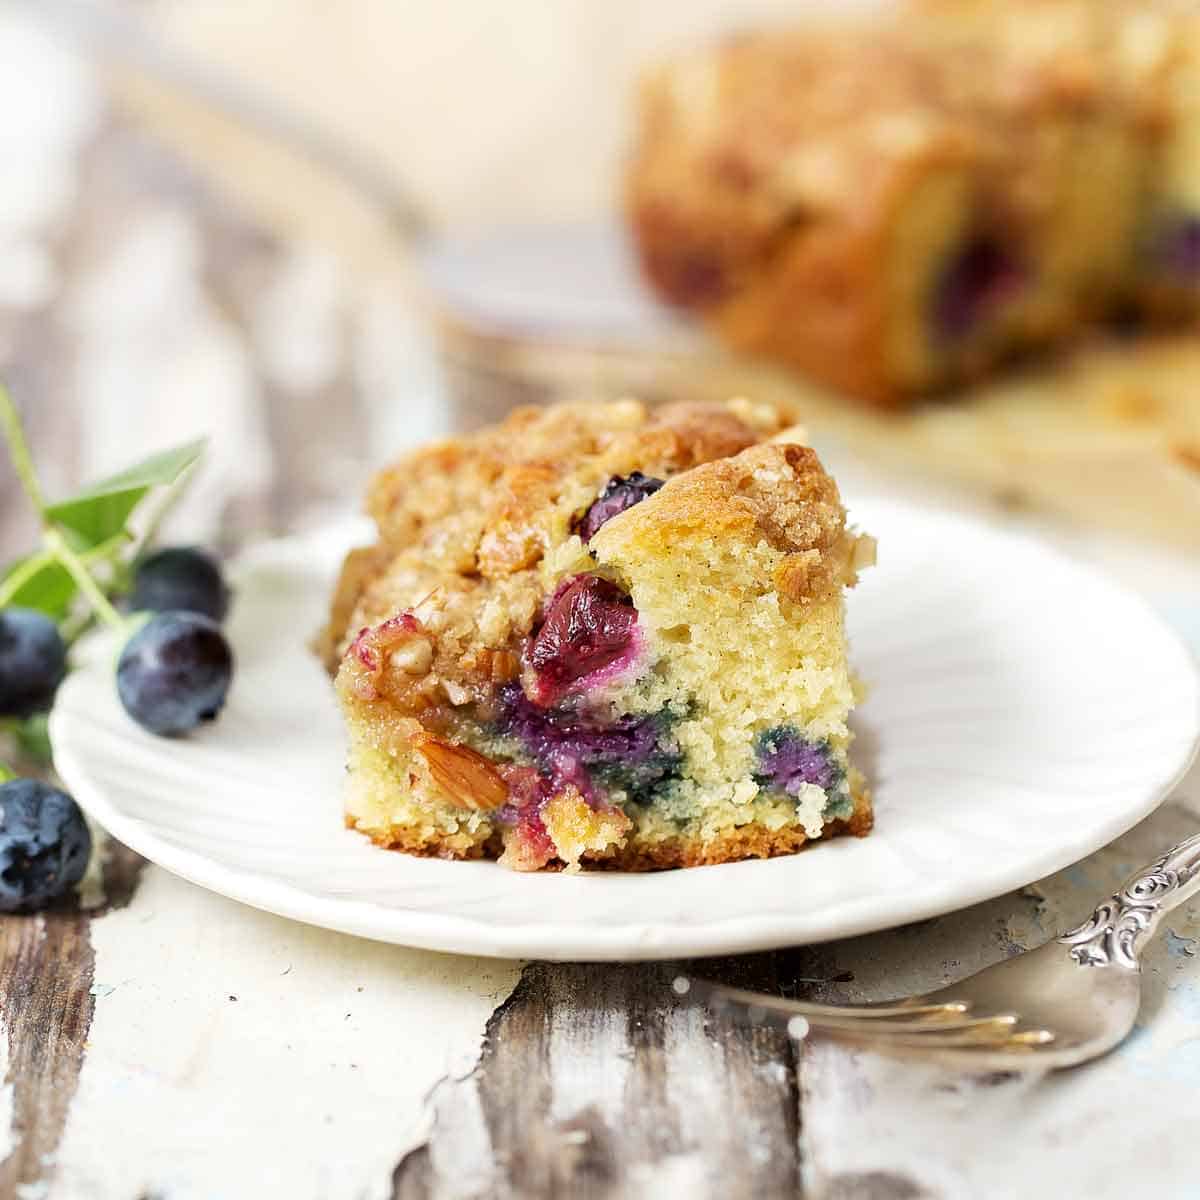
(897, 205)
(601, 633)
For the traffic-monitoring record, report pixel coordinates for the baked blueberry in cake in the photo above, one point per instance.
(602, 634)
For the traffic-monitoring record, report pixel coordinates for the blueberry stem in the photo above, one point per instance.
(14, 582)
(77, 568)
(57, 547)
(18, 449)
(21, 576)
(171, 496)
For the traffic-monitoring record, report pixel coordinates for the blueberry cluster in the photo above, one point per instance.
(44, 840)
(173, 674)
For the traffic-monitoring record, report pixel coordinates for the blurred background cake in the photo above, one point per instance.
(896, 205)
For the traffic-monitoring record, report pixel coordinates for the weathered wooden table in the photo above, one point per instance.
(160, 1041)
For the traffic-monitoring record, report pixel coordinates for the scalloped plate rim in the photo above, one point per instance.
(435, 929)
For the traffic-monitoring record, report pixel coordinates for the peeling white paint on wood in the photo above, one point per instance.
(157, 363)
(591, 1068)
(241, 1055)
(8, 1135)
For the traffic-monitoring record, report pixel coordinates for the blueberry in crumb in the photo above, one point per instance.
(589, 623)
(174, 673)
(634, 754)
(180, 579)
(787, 761)
(620, 493)
(33, 661)
(44, 845)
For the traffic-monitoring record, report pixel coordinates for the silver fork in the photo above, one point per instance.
(1069, 1001)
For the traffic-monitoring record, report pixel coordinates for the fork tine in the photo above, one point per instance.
(931, 1025)
(718, 994)
(1000, 1023)
(1033, 1037)
(941, 1027)
(960, 1041)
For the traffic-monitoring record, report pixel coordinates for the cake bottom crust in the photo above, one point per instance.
(638, 854)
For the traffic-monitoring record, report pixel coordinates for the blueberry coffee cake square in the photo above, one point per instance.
(602, 634)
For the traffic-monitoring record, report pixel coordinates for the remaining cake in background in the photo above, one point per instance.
(601, 633)
(897, 205)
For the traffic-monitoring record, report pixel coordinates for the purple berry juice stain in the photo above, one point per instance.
(787, 761)
(634, 754)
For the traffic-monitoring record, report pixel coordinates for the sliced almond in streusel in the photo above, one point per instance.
(466, 777)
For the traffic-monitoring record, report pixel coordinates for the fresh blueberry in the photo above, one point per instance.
(180, 579)
(621, 492)
(589, 623)
(44, 845)
(33, 661)
(175, 672)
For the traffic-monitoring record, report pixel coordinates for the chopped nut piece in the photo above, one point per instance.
(466, 777)
(413, 658)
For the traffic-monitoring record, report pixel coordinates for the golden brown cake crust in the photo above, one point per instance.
(470, 518)
(748, 841)
(740, 497)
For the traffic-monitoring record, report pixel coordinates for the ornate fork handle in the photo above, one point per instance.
(1111, 936)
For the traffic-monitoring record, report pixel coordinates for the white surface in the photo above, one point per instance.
(1023, 712)
(254, 1057)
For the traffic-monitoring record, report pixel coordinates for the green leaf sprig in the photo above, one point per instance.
(87, 549)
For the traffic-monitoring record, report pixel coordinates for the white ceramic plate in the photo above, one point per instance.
(1023, 712)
